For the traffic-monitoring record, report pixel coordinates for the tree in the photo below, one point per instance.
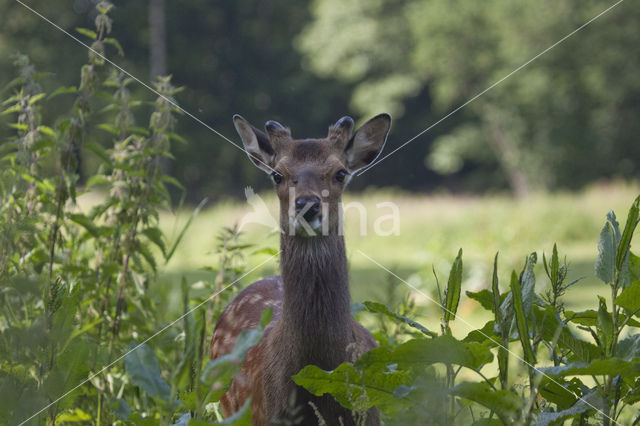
(555, 122)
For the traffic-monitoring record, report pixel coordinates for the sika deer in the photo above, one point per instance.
(312, 321)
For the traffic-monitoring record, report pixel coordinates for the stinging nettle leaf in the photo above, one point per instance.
(143, 367)
(521, 319)
(452, 295)
(505, 403)
(606, 262)
(629, 299)
(622, 254)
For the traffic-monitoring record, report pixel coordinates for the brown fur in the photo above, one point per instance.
(312, 322)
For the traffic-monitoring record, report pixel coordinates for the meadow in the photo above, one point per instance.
(432, 227)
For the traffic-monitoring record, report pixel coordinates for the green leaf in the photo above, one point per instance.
(605, 327)
(172, 181)
(622, 254)
(629, 299)
(15, 108)
(112, 41)
(551, 328)
(87, 32)
(606, 262)
(521, 319)
(484, 297)
(156, 236)
(85, 222)
(506, 404)
(45, 130)
(380, 308)
(628, 348)
(558, 391)
(99, 151)
(634, 267)
(142, 366)
(35, 98)
(107, 127)
(63, 90)
(495, 292)
(416, 353)
(598, 367)
(76, 416)
(348, 385)
(586, 403)
(590, 318)
(452, 294)
(19, 126)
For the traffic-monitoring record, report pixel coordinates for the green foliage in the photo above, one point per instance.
(569, 377)
(544, 126)
(77, 285)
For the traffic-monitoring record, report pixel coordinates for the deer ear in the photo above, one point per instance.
(367, 142)
(256, 144)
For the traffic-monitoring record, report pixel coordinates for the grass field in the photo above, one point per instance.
(431, 230)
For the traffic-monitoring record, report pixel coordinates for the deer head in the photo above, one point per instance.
(310, 174)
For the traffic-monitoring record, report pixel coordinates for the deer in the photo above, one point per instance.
(310, 300)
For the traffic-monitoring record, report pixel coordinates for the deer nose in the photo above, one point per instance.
(313, 208)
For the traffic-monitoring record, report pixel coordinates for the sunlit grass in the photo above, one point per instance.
(431, 230)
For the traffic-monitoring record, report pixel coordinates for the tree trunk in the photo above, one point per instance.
(157, 39)
(507, 152)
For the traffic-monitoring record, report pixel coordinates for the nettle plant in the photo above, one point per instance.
(74, 284)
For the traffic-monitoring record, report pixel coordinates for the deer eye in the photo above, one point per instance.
(277, 177)
(341, 175)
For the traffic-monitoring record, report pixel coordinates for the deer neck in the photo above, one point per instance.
(316, 311)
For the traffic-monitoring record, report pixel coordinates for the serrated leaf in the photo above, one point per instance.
(628, 348)
(14, 108)
(604, 326)
(586, 403)
(63, 91)
(156, 236)
(454, 284)
(551, 328)
(483, 297)
(629, 299)
(142, 366)
(521, 319)
(622, 254)
(35, 98)
(45, 130)
(85, 222)
(380, 308)
(598, 367)
(347, 384)
(99, 151)
(590, 318)
(416, 353)
(87, 32)
(560, 392)
(506, 404)
(606, 262)
(112, 41)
